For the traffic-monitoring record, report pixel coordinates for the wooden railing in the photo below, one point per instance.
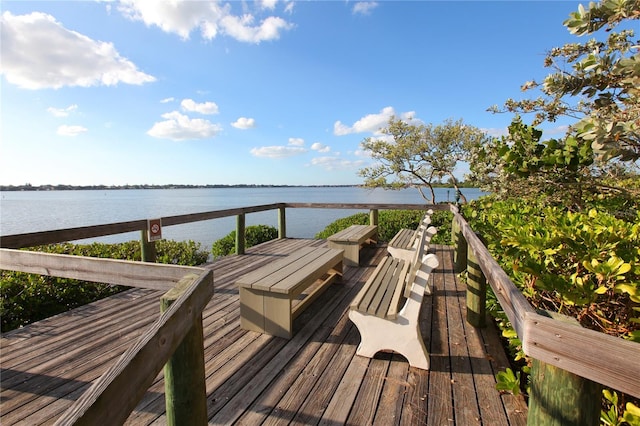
(569, 362)
(116, 393)
(551, 342)
(33, 239)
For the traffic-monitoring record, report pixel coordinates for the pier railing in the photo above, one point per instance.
(568, 359)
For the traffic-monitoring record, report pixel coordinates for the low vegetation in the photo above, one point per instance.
(254, 235)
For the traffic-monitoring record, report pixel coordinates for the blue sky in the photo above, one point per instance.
(270, 92)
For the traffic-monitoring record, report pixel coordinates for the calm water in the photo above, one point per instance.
(22, 212)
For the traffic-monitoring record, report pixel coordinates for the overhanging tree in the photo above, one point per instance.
(597, 82)
(419, 155)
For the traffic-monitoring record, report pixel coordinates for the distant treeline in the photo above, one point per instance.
(29, 187)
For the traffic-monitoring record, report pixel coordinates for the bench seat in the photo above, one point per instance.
(351, 240)
(267, 294)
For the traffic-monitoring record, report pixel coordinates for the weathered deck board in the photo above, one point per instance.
(314, 378)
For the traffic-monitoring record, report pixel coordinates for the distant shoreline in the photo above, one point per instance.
(27, 187)
(170, 186)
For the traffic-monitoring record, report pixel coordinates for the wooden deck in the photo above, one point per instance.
(314, 378)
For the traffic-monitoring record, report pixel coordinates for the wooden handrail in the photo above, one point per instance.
(602, 358)
(32, 239)
(108, 271)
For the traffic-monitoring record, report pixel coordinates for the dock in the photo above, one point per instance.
(253, 378)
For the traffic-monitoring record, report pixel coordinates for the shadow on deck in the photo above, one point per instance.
(314, 378)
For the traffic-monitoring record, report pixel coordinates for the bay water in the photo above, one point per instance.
(34, 211)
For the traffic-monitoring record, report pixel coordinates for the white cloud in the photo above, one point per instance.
(268, 4)
(65, 130)
(244, 123)
(211, 18)
(62, 112)
(179, 17)
(241, 28)
(179, 127)
(277, 151)
(296, 141)
(364, 7)
(38, 52)
(320, 147)
(372, 122)
(289, 7)
(167, 100)
(495, 132)
(336, 163)
(202, 108)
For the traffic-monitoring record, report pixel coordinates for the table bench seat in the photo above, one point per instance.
(267, 295)
(351, 240)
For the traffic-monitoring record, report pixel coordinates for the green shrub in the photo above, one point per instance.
(391, 221)
(25, 298)
(254, 235)
(582, 264)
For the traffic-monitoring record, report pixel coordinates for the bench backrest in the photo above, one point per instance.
(424, 224)
(423, 239)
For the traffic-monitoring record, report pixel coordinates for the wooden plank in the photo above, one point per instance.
(19, 388)
(605, 359)
(319, 262)
(417, 395)
(389, 411)
(466, 411)
(54, 337)
(387, 285)
(354, 234)
(363, 299)
(314, 294)
(403, 239)
(341, 403)
(492, 410)
(439, 402)
(392, 299)
(274, 268)
(119, 272)
(365, 405)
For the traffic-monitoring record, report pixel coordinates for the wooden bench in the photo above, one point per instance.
(386, 309)
(267, 295)
(351, 239)
(407, 253)
(407, 239)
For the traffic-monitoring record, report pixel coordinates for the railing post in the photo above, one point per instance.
(184, 374)
(240, 237)
(476, 291)
(373, 217)
(147, 248)
(282, 223)
(460, 247)
(559, 397)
